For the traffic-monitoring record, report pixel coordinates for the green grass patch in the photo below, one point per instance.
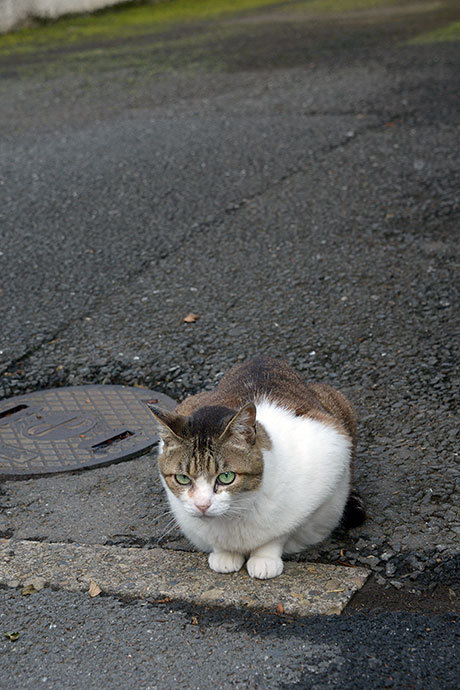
(124, 21)
(450, 32)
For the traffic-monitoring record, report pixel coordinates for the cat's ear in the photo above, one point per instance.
(242, 425)
(169, 421)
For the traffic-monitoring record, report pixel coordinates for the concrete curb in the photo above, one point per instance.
(154, 574)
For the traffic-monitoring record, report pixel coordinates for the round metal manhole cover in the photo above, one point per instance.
(63, 429)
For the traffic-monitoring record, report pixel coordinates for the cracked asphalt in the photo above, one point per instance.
(295, 184)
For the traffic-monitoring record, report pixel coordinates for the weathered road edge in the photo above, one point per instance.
(152, 574)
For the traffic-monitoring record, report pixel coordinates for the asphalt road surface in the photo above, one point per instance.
(293, 178)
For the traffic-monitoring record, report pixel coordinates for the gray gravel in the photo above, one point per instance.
(308, 210)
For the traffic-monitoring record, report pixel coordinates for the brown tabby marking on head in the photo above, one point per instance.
(212, 440)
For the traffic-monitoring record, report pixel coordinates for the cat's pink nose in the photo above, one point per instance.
(202, 506)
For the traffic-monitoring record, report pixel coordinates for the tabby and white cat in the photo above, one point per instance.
(260, 466)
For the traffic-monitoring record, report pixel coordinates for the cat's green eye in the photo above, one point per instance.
(182, 479)
(226, 478)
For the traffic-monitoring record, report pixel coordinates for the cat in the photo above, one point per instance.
(260, 466)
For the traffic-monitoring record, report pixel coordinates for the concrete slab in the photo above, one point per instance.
(303, 589)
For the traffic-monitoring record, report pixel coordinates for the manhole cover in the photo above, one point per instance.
(64, 429)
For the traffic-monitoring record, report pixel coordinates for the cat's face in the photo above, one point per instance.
(212, 460)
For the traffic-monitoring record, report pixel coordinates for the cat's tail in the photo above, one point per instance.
(354, 513)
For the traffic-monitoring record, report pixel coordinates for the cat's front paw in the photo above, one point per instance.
(225, 561)
(263, 567)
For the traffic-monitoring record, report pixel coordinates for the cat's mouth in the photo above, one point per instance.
(207, 516)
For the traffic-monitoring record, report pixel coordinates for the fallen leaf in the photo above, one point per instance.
(191, 318)
(94, 588)
(194, 620)
(280, 609)
(28, 589)
(11, 636)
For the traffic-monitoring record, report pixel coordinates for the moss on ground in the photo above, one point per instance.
(339, 6)
(450, 32)
(189, 35)
(144, 18)
(120, 22)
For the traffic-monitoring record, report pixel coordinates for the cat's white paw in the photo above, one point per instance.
(225, 561)
(263, 567)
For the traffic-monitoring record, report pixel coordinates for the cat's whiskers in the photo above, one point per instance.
(171, 521)
(172, 524)
(159, 517)
(236, 511)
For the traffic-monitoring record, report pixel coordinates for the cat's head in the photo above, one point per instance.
(211, 459)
